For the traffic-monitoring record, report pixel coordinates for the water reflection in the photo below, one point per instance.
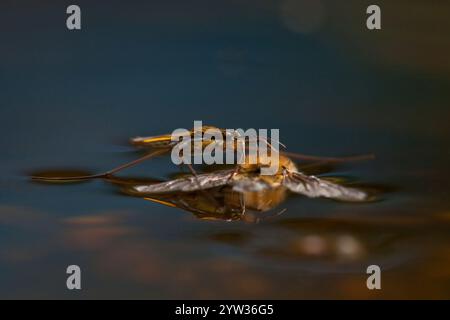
(277, 258)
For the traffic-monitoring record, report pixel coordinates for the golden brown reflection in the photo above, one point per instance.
(224, 204)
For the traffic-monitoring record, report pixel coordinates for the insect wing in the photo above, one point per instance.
(187, 184)
(314, 187)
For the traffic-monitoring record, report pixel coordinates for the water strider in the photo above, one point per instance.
(227, 193)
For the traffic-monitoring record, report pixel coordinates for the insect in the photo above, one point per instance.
(163, 144)
(228, 193)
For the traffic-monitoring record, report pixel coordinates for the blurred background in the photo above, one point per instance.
(71, 99)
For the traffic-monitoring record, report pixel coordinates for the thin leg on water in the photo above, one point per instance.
(328, 159)
(242, 203)
(104, 174)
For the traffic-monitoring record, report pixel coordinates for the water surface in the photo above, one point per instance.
(72, 99)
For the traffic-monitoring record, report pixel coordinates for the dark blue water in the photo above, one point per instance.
(71, 99)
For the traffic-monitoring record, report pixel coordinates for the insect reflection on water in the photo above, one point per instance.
(226, 194)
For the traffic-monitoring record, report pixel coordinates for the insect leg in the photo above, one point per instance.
(135, 162)
(242, 203)
(300, 156)
(203, 191)
(104, 174)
